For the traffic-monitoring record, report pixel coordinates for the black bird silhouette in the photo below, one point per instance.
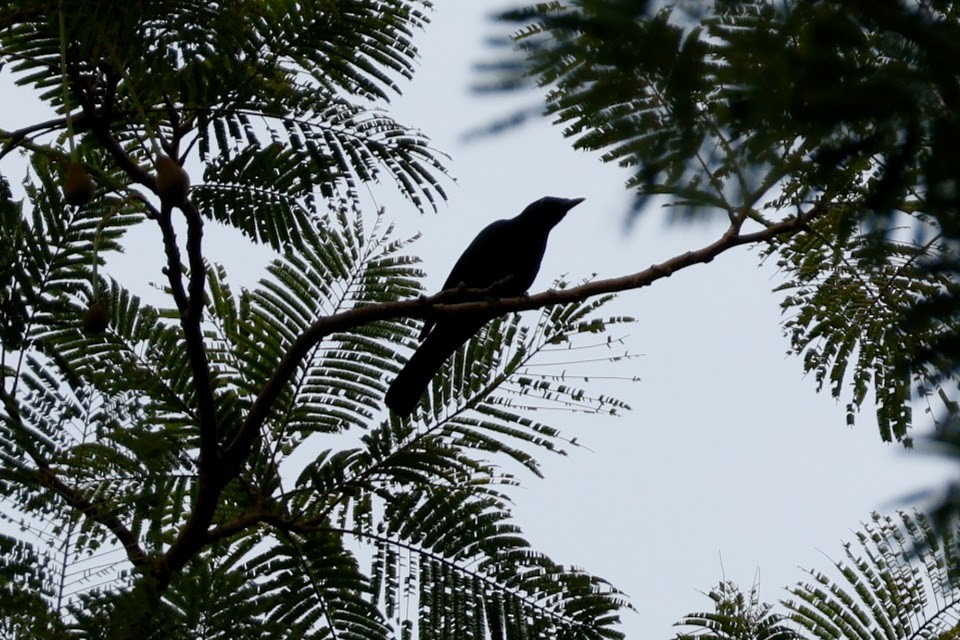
(503, 261)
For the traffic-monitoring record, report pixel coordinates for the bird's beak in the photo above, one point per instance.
(572, 202)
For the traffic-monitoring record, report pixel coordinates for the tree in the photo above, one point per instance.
(898, 581)
(168, 432)
(825, 130)
(221, 466)
(832, 126)
(736, 616)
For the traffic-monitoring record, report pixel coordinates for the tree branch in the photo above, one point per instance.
(432, 307)
(190, 305)
(210, 481)
(242, 523)
(93, 509)
(101, 129)
(196, 533)
(14, 138)
(190, 319)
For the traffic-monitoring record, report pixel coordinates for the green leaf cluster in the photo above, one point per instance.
(281, 100)
(833, 123)
(219, 465)
(897, 581)
(113, 416)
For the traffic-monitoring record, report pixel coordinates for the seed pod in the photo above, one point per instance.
(95, 318)
(78, 186)
(172, 181)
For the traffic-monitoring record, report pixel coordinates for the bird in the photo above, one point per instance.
(501, 262)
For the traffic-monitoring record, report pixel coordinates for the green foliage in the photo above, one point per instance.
(279, 98)
(220, 466)
(419, 494)
(846, 310)
(736, 616)
(26, 591)
(832, 122)
(898, 581)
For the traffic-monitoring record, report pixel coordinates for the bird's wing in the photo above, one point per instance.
(476, 267)
(480, 264)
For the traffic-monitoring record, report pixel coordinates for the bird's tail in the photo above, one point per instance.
(408, 387)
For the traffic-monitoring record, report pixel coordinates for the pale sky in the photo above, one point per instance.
(729, 463)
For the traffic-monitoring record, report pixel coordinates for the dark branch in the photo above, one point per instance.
(190, 305)
(242, 523)
(174, 267)
(101, 129)
(432, 307)
(194, 336)
(210, 481)
(95, 510)
(14, 138)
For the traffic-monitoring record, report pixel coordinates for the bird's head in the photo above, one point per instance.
(549, 210)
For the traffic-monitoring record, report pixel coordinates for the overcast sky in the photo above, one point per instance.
(729, 463)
